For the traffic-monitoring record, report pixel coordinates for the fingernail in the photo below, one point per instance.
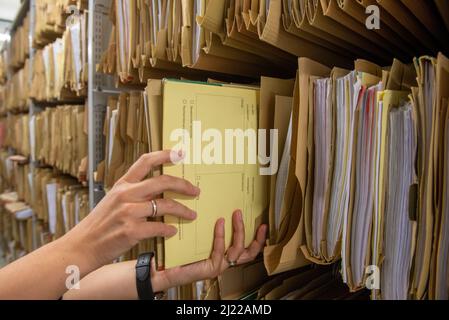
(193, 214)
(173, 231)
(197, 190)
(240, 215)
(176, 156)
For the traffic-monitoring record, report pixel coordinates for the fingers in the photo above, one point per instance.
(164, 207)
(255, 247)
(218, 249)
(238, 242)
(149, 189)
(140, 169)
(145, 230)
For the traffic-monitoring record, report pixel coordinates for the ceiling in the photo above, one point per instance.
(8, 11)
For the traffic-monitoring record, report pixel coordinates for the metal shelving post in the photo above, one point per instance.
(99, 86)
(32, 108)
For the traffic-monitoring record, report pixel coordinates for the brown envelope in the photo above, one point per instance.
(285, 254)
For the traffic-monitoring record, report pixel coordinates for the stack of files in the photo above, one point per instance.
(398, 224)
(17, 90)
(19, 47)
(16, 221)
(308, 283)
(197, 107)
(357, 223)
(74, 63)
(6, 170)
(136, 46)
(244, 25)
(21, 175)
(432, 99)
(429, 101)
(50, 21)
(3, 66)
(126, 135)
(172, 39)
(21, 226)
(60, 68)
(59, 139)
(59, 201)
(202, 48)
(327, 187)
(6, 219)
(299, 27)
(394, 220)
(17, 133)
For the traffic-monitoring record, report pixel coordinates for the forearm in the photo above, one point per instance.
(42, 273)
(111, 282)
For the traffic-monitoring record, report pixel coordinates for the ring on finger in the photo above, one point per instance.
(232, 263)
(154, 206)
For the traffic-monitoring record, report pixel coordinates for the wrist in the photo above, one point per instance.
(159, 281)
(81, 253)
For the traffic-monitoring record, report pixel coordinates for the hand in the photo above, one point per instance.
(219, 259)
(119, 221)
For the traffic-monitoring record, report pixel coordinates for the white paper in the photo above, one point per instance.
(51, 199)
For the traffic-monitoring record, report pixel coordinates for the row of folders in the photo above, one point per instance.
(57, 73)
(363, 171)
(249, 38)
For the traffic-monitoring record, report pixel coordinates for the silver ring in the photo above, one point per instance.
(231, 263)
(153, 203)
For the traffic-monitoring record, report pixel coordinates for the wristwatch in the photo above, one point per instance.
(143, 276)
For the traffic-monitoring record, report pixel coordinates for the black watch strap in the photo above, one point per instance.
(143, 276)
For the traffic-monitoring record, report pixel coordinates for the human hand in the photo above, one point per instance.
(119, 221)
(219, 259)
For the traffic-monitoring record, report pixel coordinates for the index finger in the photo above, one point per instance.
(140, 169)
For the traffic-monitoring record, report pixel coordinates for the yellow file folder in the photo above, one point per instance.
(224, 187)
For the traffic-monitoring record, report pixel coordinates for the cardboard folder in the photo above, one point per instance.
(426, 66)
(224, 20)
(234, 104)
(441, 98)
(271, 30)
